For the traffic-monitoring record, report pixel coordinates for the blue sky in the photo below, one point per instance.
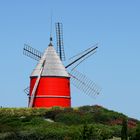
(115, 25)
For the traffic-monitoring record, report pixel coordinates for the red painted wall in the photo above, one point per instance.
(51, 86)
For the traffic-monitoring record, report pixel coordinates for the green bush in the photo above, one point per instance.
(8, 136)
(87, 122)
(85, 108)
(136, 133)
(89, 132)
(68, 118)
(116, 130)
(5, 128)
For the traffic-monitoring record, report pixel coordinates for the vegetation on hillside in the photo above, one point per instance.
(83, 123)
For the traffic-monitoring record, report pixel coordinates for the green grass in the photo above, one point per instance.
(67, 124)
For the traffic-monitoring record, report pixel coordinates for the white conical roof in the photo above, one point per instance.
(53, 65)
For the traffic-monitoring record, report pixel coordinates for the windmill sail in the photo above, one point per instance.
(81, 82)
(83, 52)
(26, 90)
(60, 44)
(35, 86)
(83, 56)
(83, 60)
(31, 52)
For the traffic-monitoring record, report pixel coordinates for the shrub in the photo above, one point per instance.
(85, 108)
(136, 133)
(124, 131)
(68, 118)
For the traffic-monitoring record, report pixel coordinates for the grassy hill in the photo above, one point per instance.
(83, 123)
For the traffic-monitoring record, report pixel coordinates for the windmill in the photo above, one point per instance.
(50, 80)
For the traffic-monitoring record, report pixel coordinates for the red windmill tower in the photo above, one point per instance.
(50, 81)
